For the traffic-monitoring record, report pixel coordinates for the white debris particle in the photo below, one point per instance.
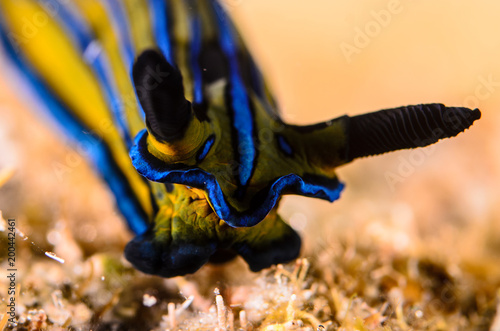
(148, 300)
(54, 257)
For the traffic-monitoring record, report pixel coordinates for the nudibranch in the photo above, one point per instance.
(211, 158)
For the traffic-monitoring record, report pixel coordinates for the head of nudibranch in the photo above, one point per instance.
(231, 158)
(244, 157)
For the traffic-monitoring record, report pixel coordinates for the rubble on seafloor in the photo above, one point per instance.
(346, 286)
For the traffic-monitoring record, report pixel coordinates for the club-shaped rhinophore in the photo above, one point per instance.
(161, 93)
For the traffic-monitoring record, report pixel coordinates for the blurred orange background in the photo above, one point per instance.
(412, 52)
(408, 52)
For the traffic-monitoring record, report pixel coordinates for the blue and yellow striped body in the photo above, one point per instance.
(178, 120)
(79, 58)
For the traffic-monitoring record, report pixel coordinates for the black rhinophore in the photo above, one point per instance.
(160, 91)
(405, 127)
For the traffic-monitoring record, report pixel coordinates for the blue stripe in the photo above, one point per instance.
(195, 65)
(117, 13)
(97, 150)
(206, 148)
(284, 145)
(95, 57)
(122, 28)
(158, 12)
(66, 14)
(116, 105)
(243, 118)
